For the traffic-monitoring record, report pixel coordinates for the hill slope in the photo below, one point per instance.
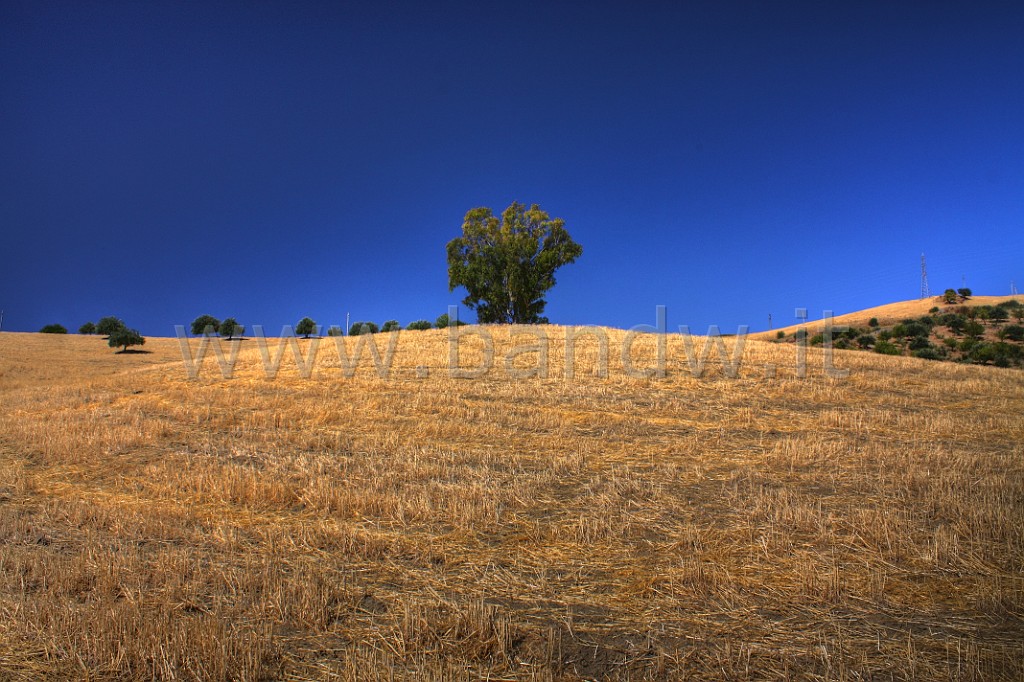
(423, 526)
(887, 314)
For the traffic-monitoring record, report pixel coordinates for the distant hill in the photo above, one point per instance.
(887, 315)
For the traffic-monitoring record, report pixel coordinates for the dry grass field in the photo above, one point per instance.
(598, 528)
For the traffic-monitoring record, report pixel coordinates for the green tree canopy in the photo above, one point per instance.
(391, 326)
(54, 329)
(508, 265)
(358, 328)
(124, 337)
(87, 328)
(306, 326)
(205, 324)
(107, 325)
(419, 325)
(230, 328)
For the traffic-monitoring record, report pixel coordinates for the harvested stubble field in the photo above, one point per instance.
(612, 527)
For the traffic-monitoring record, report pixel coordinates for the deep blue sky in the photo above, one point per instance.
(270, 160)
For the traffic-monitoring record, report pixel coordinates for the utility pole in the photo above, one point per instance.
(347, 327)
(1, 320)
(769, 321)
(924, 279)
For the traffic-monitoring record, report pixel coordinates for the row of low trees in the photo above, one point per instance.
(210, 326)
(442, 322)
(117, 333)
(951, 296)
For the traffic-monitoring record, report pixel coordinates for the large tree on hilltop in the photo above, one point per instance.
(508, 265)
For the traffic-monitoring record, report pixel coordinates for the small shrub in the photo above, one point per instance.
(951, 343)
(955, 323)
(974, 329)
(817, 339)
(419, 325)
(54, 329)
(205, 324)
(873, 322)
(884, 335)
(334, 330)
(983, 353)
(443, 322)
(305, 327)
(865, 340)
(87, 328)
(230, 328)
(360, 328)
(887, 348)
(933, 309)
(1014, 332)
(910, 328)
(124, 337)
(107, 325)
(919, 343)
(391, 326)
(998, 314)
(928, 354)
(780, 335)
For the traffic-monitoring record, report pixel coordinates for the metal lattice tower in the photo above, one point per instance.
(924, 279)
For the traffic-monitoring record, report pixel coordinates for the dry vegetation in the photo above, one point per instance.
(436, 528)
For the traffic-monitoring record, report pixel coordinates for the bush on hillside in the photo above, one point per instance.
(54, 329)
(205, 324)
(360, 328)
(107, 325)
(391, 326)
(124, 337)
(1013, 332)
(420, 325)
(305, 327)
(87, 328)
(998, 314)
(230, 328)
(974, 329)
(887, 348)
